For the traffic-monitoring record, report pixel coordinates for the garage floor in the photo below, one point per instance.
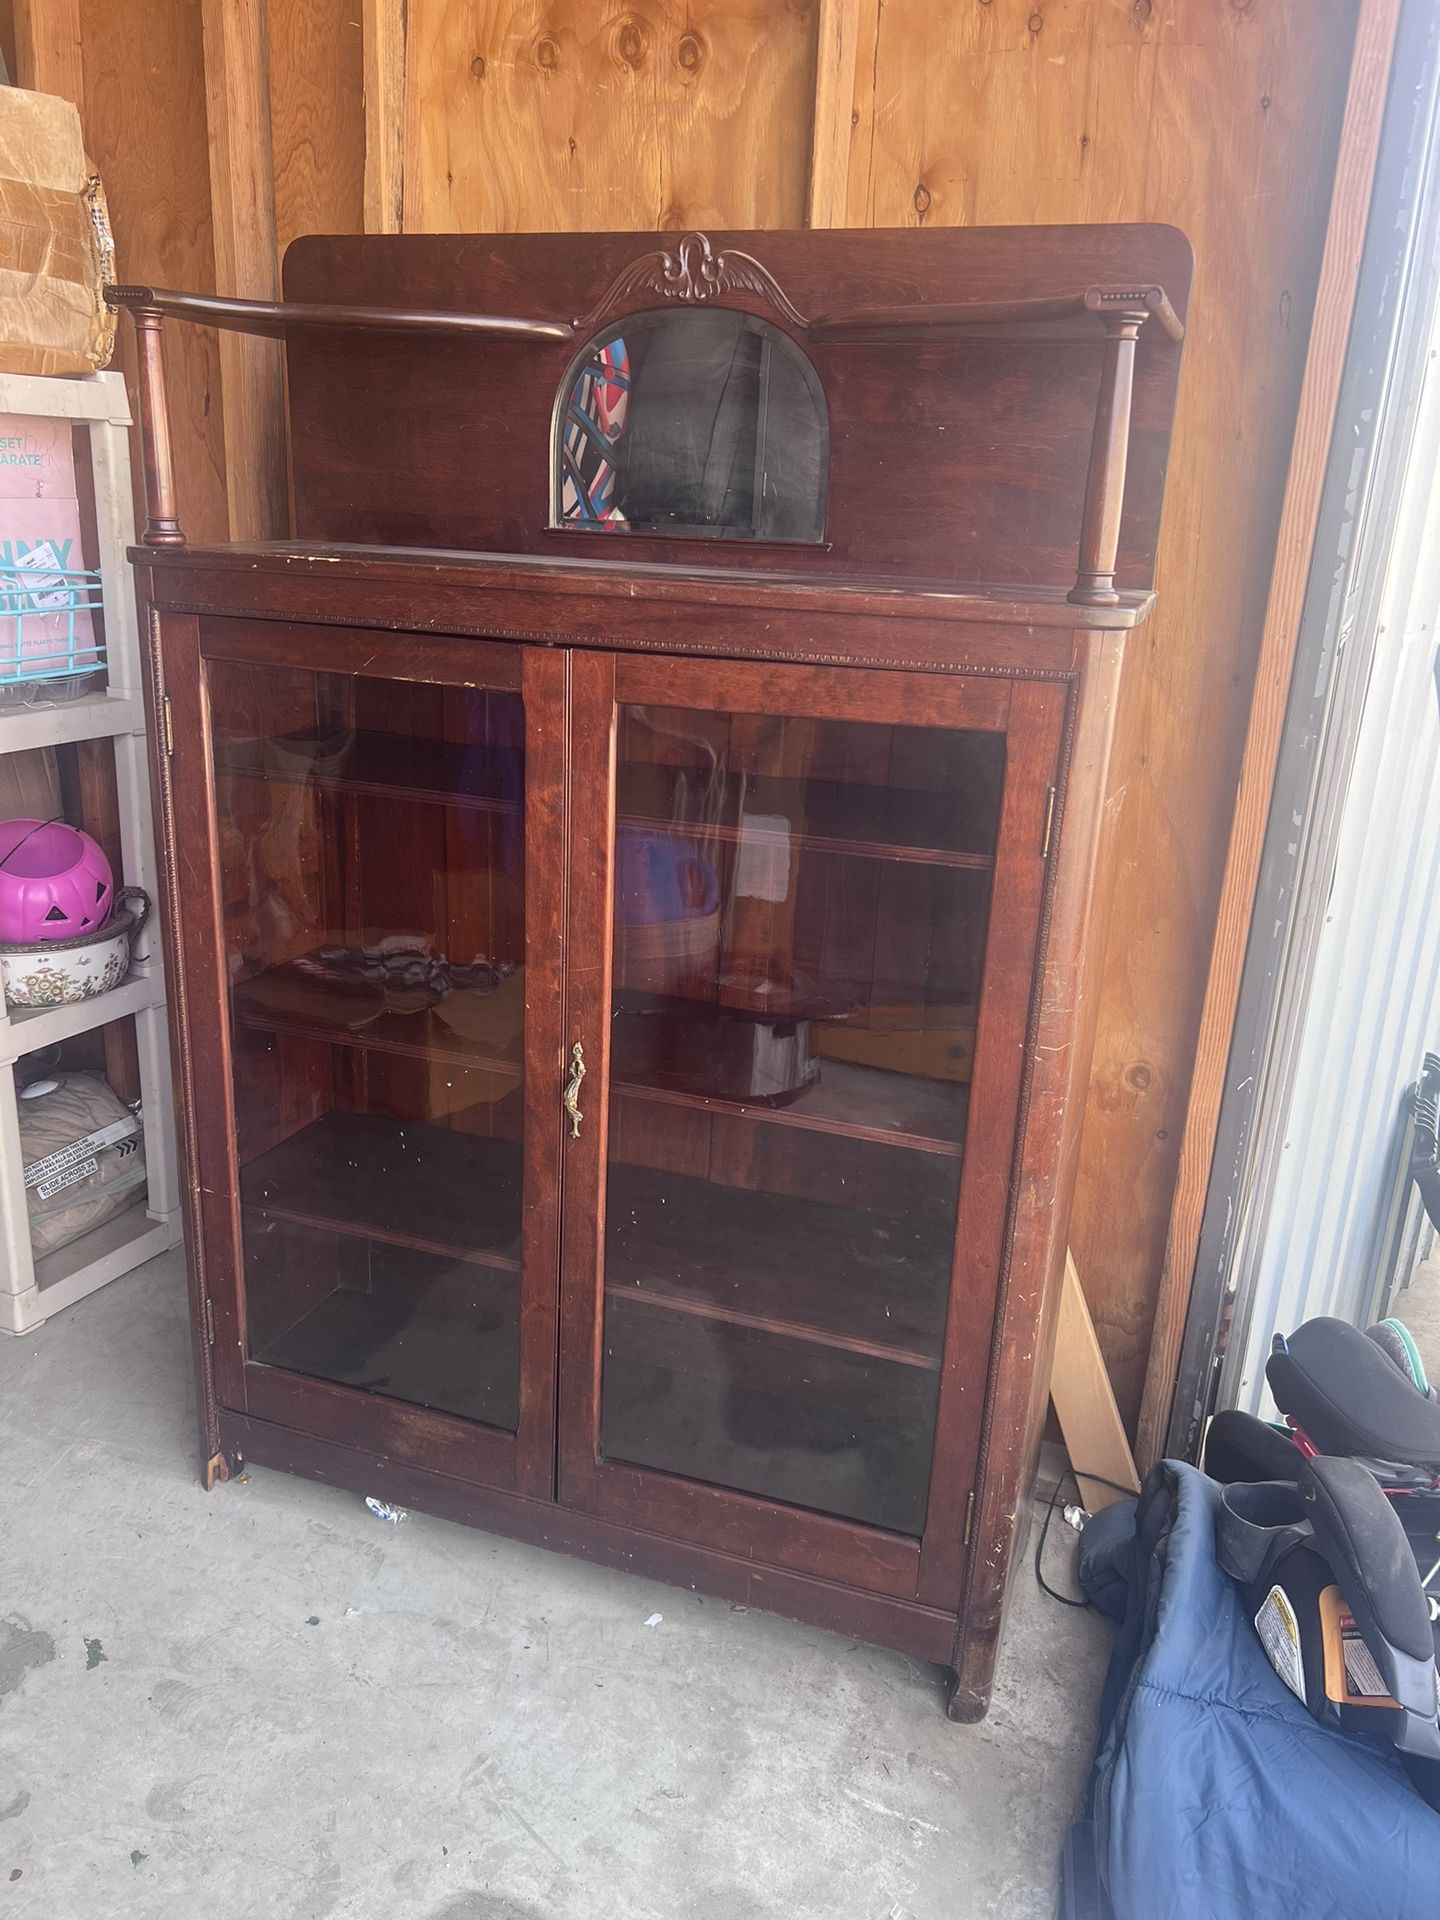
(265, 1702)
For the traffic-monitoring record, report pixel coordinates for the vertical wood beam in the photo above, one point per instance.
(837, 37)
(47, 48)
(384, 33)
(1334, 298)
(242, 195)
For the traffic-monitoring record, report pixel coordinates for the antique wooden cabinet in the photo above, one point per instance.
(633, 862)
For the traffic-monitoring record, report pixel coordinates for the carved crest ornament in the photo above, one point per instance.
(692, 273)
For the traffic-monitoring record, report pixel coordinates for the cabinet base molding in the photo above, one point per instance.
(925, 1633)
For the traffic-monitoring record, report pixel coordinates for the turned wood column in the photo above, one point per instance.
(162, 526)
(1105, 481)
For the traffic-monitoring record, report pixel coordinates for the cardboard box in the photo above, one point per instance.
(56, 253)
(40, 543)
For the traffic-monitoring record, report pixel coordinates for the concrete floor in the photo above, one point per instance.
(265, 1702)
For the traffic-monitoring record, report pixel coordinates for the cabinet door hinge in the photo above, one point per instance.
(168, 723)
(1049, 823)
(969, 1516)
(210, 1320)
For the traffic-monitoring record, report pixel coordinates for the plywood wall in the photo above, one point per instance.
(608, 114)
(1219, 115)
(1223, 119)
(317, 121)
(143, 111)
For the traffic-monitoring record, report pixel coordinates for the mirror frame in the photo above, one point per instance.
(748, 323)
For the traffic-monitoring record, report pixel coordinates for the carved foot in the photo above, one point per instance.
(221, 1466)
(965, 1703)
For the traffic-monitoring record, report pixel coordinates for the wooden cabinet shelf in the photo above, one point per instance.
(859, 1282)
(856, 1103)
(484, 1035)
(819, 1428)
(383, 765)
(822, 816)
(460, 1362)
(411, 1185)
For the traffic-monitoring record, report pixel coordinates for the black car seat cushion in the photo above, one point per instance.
(1350, 1398)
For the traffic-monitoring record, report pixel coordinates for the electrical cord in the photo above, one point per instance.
(1067, 1599)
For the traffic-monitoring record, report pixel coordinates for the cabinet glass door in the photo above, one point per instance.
(372, 894)
(801, 940)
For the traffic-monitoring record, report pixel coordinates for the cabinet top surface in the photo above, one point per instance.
(310, 565)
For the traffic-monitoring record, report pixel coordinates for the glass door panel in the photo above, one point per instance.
(372, 881)
(800, 915)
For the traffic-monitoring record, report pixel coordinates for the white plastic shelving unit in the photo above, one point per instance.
(32, 1290)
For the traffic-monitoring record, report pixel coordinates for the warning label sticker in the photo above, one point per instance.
(40, 1171)
(47, 1189)
(1279, 1633)
(1362, 1676)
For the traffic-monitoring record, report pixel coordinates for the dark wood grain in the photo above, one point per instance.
(545, 686)
(1009, 996)
(1058, 318)
(282, 319)
(162, 526)
(1057, 1067)
(914, 496)
(589, 975)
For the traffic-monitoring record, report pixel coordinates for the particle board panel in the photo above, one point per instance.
(1058, 110)
(578, 115)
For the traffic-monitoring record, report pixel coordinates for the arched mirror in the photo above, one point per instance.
(697, 422)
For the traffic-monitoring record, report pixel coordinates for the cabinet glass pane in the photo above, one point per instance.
(800, 917)
(373, 893)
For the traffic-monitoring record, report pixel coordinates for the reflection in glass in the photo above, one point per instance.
(372, 876)
(800, 919)
(710, 424)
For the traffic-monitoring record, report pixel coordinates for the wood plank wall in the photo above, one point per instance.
(1222, 116)
(1222, 119)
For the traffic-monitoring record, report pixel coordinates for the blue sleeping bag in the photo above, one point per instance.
(1214, 1794)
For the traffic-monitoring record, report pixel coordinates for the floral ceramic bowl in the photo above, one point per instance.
(52, 973)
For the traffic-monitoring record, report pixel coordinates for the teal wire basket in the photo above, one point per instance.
(50, 648)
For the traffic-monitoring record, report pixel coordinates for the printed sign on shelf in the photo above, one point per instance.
(39, 545)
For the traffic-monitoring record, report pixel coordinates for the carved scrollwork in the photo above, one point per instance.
(692, 273)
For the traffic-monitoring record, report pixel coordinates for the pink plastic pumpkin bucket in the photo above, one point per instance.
(55, 882)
